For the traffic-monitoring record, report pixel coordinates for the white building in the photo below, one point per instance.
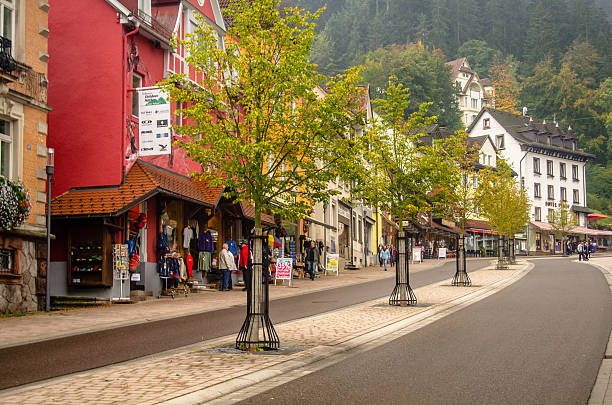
(472, 95)
(548, 163)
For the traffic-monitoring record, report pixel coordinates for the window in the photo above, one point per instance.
(551, 192)
(537, 192)
(563, 194)
(360, 230)
(334, 216)
(6, 149)
(550, 170)
(489, 160)
(475, 103)
(7, 262)
(7, 20)
(575, 173)
(486, 123)
(145, 6)
(353, 228)
(538, 214)
(500, 142)
(475, 181)
(562, 170)
(136, 83)
(576, 196)
(536, 165)
(550, 214)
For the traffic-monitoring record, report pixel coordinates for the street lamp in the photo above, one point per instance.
(50, 171)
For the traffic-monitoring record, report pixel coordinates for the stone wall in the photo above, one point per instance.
(18, 293)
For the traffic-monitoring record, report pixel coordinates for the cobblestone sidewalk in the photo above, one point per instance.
(169, 375)
(42, 326)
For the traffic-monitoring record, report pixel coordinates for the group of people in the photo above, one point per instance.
(386, 255)
(584, 250)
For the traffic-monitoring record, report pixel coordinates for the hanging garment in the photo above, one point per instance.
(187, 236)
(204, 261)
(182, 270)
(231, 246)
(189, 262)
(205, 242)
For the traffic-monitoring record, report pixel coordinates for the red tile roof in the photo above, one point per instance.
(142, 182)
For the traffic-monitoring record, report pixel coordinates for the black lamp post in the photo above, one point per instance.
(50, 171)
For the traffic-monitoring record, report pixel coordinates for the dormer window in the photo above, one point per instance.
(144, 6)
(486, 123)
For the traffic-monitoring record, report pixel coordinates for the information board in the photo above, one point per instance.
(332, 263)
(154, 122)
(417, 254)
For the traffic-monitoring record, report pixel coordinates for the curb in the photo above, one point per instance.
(246, 386)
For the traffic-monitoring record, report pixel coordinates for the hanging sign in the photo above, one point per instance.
(154, 122)
(332, 263)
(284, 268)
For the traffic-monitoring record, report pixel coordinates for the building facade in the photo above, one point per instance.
(549, 165)
(23, 148)
(472, 95)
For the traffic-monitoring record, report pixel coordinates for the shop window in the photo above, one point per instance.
(136, 83)
(538, 214)
(7, 262)
(536, 165)
(538, 241)
(90, 261)
(7, 22)
(6, 149)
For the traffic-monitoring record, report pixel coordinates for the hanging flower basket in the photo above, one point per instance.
(14, 204)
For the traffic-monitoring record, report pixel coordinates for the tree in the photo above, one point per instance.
(480, 56)
(562, 221)
(507, 91)
(257, 124)
(400, 172)
(423, 72)
(504, 202)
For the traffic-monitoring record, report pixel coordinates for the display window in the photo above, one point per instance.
(90, 254)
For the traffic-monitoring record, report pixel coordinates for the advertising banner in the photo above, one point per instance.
(284, 268)
(332, 263)
(155, 137)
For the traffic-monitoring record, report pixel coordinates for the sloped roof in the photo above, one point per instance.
(142, 182)
(456, 66)
(249, 212)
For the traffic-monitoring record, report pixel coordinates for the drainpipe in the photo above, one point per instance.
(520, 182)
(124, 93)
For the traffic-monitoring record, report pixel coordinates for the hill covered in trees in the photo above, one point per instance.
(552, 56)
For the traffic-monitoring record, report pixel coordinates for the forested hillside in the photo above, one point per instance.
(552, 56)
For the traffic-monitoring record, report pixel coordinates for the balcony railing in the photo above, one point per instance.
(152, 22)
(7, 63)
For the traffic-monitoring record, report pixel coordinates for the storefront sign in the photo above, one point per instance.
(551, 204)
(155, 137)
(417, 254)
(332, 263)
(284, 268)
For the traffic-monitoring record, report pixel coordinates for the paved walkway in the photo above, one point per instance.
(206, 370)
(42, 326)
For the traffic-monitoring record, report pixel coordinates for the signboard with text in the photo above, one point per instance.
(332, 263)
(284, 268)
(442, 253)
(155, 137)
(417, 254)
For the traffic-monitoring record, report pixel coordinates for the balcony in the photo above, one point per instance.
(7, 63)
(152, 22)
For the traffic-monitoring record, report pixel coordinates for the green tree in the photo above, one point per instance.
(583, 59)
(562, 220)
(256, 123)
(423, 72)
(400, 173)
(480, 56)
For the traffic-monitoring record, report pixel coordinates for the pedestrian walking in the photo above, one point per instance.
(580, 249)
(385, 255)
(312, 259)
(226, 263)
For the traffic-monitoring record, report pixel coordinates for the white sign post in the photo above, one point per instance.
(417, 254)
(332, 263)
(441, 253)
(155, 137)
(284, 269)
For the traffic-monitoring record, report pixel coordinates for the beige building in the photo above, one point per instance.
(474, 92)
(23, 148)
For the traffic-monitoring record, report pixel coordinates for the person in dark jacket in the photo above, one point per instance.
(312, 259)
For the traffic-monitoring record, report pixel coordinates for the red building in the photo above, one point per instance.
(106, 179)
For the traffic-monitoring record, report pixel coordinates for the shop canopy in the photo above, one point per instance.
(141, 183)
(595, 216)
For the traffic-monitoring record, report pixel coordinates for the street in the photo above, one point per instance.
(539, 341)
(37, 361)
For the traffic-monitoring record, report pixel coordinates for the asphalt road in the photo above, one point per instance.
(538, 341)
(37, 361)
